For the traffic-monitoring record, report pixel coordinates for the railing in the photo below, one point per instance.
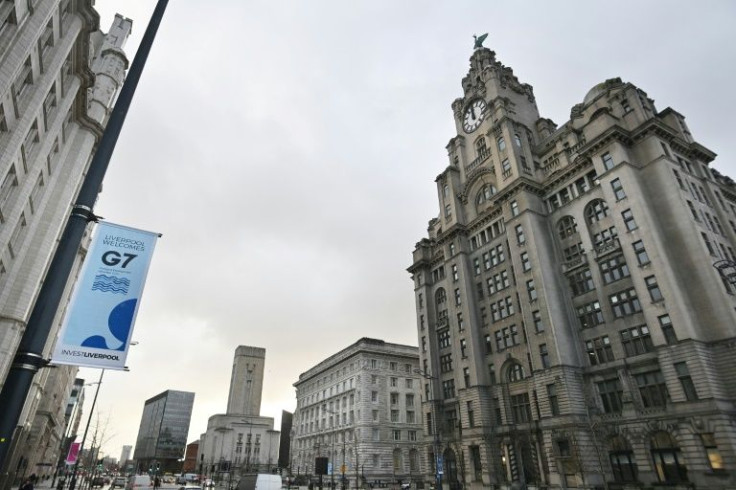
(571, 264)
(608, 246)
(482, 156)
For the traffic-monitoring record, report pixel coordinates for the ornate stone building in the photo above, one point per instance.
(59, 75)
(575, 329)
(360, 409)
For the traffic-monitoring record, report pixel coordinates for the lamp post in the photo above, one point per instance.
(436, 435)
(73, 481)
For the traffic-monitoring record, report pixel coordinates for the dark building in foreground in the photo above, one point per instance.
(162, 436)
(285, 442)
(575, 317)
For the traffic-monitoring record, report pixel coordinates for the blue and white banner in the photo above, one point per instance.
(99, 321)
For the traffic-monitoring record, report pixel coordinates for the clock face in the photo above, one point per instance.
(474, 115)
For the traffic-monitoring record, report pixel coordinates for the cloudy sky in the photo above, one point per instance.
(287, 152)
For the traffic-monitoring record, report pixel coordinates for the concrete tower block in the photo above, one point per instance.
(246, 383)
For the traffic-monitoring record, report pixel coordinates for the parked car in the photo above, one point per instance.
(139, 482)
(118, 482)
(97, 481)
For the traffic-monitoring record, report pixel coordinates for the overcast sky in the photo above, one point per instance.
(287, 152)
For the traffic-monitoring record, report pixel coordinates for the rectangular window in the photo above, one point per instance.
(458, 298)
(590, 315)
(708, 245)
(573, 252)
(520, 408)
(641, 253)
(552, 397)
(653, 288)
(537, 318)
(520, 238)
(448, 388)
(491, 374)
(544, 355)
(394, 397)
(501, 143)
(683, 374)
(531, 290)
(443, 339)
(618, 189)
(446, 363)
(667, 329)
(715, 460)
(374, 396)
(466, 377)
(636, 340)
(409, 399)
(460, 323)
(476, 266)
(514, 208)
(599, 350)
(455, 275)
(652, 389)
(611, 395)
(625, 303)
(614, 269)
(607, 161)
(394, 415)
(581, 282)
(526, 265)
(629, 221)
(505, 168)
(463, 348)
(471, 414)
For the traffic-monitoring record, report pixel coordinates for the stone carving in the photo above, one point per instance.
(478, 40)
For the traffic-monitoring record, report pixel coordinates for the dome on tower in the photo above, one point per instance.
(601, 88)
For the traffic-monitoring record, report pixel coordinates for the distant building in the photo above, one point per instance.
(125, 455)
(162, 436)
(284, 454)
(361, 409)
(190, 458)
(240, 441)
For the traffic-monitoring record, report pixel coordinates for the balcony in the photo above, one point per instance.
(573, 263)
(607, 247)
(483, 155)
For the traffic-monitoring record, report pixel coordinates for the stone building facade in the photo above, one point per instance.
(240, 441)
(576, 330)
(361, 409)
(59, 76)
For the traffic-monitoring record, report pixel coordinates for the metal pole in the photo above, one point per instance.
(73, 481)
(29, 356)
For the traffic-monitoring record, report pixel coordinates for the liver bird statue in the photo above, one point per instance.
(479, 40)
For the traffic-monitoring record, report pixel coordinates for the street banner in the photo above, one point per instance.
(99, 321)
(71, 457)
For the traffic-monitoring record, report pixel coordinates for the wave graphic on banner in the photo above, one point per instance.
(119, 323)
(111, 284)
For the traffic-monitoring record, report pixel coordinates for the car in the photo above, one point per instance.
(119, 481)
(97, 481)
(136, 482)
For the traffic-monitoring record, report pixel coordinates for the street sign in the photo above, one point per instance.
(440, 469)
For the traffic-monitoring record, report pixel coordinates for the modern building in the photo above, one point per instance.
(162, 436)
(361, 409)
(241, 440)
(287, 419)
(574, 328)
(125, 455)
(59, 76)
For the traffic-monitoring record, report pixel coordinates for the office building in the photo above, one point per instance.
(54, 104)
(240, 441)
(162, 436)
(575, 308)
(360, 409)
(125, 455)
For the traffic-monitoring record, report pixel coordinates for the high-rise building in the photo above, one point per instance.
(285, 443)
(125, 455)
(246, 382)
(241, 440)
(59, 77)
(162, 436)
(360, 409)
(574, 328)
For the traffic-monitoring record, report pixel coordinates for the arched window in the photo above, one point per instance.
(516, 373)
(440, 296)
(596, 211)
(623, 462)
(567, 227)
(413, 460)
(397, 461)
(668, 462)
(485, 193)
